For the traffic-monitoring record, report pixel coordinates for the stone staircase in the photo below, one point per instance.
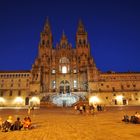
(66, 100)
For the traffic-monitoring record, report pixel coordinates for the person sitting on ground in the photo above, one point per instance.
(137, 115)
(10, 120)
(29, 119)
(6, 126)
(135, 118)
(17, 125)
(126, 118)
(27, 123)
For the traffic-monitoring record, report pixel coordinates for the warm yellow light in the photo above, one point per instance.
(64, 69)
(119, 97)
(35, 100)
(19, 100)
(2, 100)
(94, 100)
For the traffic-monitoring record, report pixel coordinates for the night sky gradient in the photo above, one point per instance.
(113, 28)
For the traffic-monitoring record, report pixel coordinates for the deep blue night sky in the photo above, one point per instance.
(113, 28)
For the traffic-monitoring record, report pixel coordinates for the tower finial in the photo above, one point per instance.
(63, 34)
(63, 38)
(81, 28)
(47, 27)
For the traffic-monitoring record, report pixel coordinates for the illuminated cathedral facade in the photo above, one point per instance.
(65, 74)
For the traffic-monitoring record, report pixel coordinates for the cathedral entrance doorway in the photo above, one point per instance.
(64, 87)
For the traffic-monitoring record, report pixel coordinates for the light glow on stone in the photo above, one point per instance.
(94, 100)
(119, 97)
(35, 100)
(64, 69)
(19, 100)
(2, 100)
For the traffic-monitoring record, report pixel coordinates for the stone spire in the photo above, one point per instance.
(46, 35)
(64, 39)
(63, 36)
(81, 34)
(47, 27)
(81, 28)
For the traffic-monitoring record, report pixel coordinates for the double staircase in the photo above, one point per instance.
(65, 100)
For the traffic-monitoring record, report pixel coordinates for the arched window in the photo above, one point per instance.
(53, 71)
(64, 69)
(43, 42)
(80, 41)
(84, 41)
(64, 65)
(53, 84)
(64, 60)
(74, 70)
(1, 93)
(75, 84)
(19, 93)
(11, 92)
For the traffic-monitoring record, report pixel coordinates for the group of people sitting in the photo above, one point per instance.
(133, 119)
(17, 125)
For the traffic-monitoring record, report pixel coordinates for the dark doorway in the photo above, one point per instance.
(64, 87)
(124, 102)
(61, 89)
(115, 102)
(27, 101)
(67, 89)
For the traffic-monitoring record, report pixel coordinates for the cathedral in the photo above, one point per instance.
(65, 74)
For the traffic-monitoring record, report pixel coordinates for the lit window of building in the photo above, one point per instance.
(74, 71)
(64, 69)
(64, 65)
(53, 84)
(53, 71)
(75, 84)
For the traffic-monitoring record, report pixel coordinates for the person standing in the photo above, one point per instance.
(81, 109)
(84, 108)
(0, 123)
(29, 110)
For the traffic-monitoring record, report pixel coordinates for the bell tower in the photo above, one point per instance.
(46, 40)
(46, 35)
(40, 71)
(81, 35)
(82, 44)
(86, 64)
